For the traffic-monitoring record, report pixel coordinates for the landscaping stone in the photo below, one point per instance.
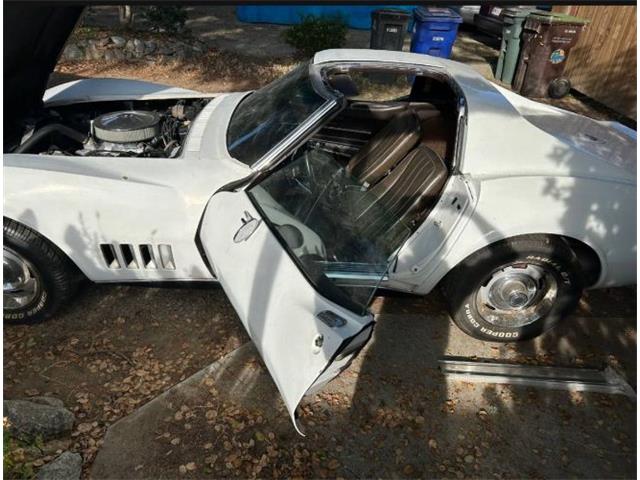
(119, 41)
(138, 45)
(31, 419)
(118, 47)
(68, 466)
(150, 46)
(51, 401)
(118, 54)
(73, 52)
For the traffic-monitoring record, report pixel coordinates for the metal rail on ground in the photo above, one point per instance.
(607, 380)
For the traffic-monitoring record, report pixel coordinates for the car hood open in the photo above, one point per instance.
(34, 36)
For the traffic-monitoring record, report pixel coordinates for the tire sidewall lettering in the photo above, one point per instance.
(42, 303)
(565, 277)
(498, 334)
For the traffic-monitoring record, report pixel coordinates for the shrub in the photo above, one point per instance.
(316, 33)
(170, 18)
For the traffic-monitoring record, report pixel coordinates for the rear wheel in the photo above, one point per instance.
(37, 277)
(514, 290)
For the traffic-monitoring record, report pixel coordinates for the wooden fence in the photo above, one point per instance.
(603, 63)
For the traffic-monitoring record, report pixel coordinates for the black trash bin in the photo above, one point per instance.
(388, 28)
(547, 39)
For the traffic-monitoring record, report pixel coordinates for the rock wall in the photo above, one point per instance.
(118, 47)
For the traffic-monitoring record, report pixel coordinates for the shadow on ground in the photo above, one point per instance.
(392, 414)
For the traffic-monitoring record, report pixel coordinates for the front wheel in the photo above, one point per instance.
(37, 277)
(515, 289)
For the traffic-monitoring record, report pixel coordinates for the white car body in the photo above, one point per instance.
(522, 168)
(161, 201)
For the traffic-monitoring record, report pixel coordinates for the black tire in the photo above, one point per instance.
(559, 87)
(462, 286)
(57, 277)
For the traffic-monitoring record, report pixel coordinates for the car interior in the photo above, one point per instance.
(396, 137)
(375, 171)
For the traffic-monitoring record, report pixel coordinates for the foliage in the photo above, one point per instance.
(14, 464)
(169, 18)
(316, 33)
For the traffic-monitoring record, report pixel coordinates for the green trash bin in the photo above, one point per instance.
(547, 40)
(512, 21)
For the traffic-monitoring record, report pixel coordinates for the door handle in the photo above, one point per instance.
(249, 226)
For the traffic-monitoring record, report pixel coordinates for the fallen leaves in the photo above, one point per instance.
(104, 365)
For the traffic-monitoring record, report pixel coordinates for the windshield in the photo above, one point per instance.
(340, 235)
(266, 116)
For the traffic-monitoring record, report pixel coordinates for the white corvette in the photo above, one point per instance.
(359, 170)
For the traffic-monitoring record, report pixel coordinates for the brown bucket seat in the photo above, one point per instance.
(385, 149)
(412, 186)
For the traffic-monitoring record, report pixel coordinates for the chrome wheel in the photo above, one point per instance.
(517, 295)
(21, 281)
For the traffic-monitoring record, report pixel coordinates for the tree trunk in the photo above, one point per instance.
(125, 15)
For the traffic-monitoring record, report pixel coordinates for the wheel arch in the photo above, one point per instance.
(591, 262)
(69, 260)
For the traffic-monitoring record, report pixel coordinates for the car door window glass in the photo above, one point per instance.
(318, 212)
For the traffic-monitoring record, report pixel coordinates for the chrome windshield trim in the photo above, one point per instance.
(269, 159)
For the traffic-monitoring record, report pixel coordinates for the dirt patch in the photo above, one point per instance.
(215, 71)
(116, 348)
(390, 415)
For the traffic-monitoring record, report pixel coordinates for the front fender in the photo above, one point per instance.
(82, 203)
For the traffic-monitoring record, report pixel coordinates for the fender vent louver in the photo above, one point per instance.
(166, 257)
(129, 255)
(116, 256)
(148, 258)
(109, 255)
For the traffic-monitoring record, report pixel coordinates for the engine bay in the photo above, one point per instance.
(136, 128)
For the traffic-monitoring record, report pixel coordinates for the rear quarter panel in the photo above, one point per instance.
(601, 214)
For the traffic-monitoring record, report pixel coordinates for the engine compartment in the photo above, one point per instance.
(132, 128)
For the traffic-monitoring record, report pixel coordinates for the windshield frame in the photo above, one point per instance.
(333, 101)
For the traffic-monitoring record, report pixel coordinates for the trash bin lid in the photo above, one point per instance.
(436, 14)
(391, 13)
(555, 17)
(516, 12)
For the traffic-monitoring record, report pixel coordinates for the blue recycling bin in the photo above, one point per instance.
(434, 31)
